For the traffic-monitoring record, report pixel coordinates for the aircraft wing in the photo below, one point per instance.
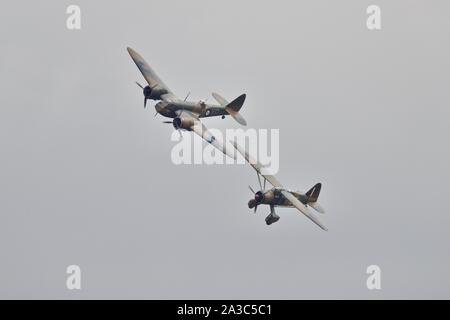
(258, 167)
(302, 208)
(149, 74)
(200, 129)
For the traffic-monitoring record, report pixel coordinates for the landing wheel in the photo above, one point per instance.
(223, 117)
(272, 218)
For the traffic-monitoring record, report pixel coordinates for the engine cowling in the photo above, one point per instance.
(261, 197)
(154, 93)
(183, 123)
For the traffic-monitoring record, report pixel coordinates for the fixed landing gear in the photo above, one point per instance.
(223, 117)
(272, 217)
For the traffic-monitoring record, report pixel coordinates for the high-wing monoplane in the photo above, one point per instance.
(186, 114)
(278, 196)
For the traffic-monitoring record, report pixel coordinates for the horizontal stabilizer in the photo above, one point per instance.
(238, 117)
(316, 207)
(221, 100)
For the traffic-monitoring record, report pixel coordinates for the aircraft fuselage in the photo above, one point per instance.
(274, 197)
(201, 109)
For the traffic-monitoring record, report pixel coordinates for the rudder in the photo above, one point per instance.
(233, 109)
(313, 193)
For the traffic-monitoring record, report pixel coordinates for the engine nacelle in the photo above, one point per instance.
(154, 93)
(183, 123)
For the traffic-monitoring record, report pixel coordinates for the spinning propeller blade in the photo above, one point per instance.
(179, 131)
(259, 181)
(145, 98)
(140, 85)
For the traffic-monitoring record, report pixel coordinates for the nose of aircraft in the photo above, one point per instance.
(259, 196)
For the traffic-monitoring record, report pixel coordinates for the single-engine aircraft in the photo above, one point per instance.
(186, 114)
(278, 196)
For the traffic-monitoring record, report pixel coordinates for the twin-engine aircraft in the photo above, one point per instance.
(186, 114)
(278, 196)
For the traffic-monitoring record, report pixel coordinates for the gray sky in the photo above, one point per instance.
(86, 176)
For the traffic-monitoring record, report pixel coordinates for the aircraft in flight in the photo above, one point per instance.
(186, 114)
(278, 196)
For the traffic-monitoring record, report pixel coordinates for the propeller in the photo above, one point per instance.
(259, 181)
(140, 85)
(256, 203)
(146, 91)
(179, 131)
(143, 89)
(258, 196)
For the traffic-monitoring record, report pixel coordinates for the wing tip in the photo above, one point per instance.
(134, 54)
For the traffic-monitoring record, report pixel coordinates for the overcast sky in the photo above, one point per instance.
(86, 176)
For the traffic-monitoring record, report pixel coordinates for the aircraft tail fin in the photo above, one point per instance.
(236, 104)
(233, 109)
(313, 195)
